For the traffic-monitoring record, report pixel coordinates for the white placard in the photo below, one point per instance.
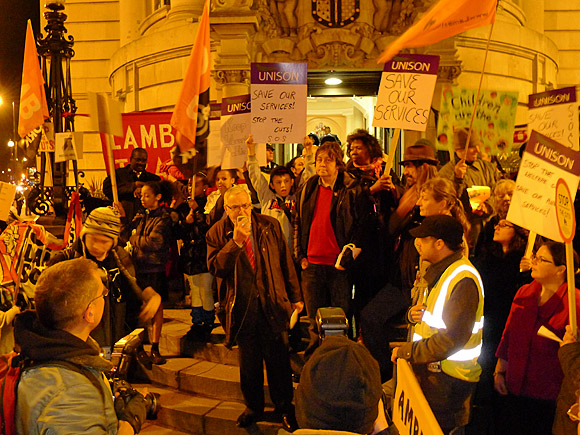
(406, 91)
(64, 147)
(533, 205)
(555, 115)
(278, 98)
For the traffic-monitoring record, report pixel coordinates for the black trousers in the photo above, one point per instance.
(257, 343)
(324, 286)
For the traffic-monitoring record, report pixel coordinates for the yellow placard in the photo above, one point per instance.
(411, 412)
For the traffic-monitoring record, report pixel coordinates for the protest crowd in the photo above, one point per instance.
(424, 298)
(410, 262)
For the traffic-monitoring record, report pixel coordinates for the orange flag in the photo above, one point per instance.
(33, 107)
(191, 113)
(446, 18)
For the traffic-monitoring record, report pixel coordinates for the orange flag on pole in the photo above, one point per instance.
(446, 18)
(191, 113)
(33, 107)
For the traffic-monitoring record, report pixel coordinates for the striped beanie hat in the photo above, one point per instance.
(105, 221)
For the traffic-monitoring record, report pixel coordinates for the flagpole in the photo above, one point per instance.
(479, 87)
(112, 173)
(392, 151)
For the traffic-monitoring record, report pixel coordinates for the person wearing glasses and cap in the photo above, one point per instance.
(258, 289)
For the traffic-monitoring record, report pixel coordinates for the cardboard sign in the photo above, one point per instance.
(411, 412)
(533, 204)
(7, 194)
(64, 147)
(406, 91)
(235, 128)
(494, 117)
(565, 211)
(279, 102)
(555, 115)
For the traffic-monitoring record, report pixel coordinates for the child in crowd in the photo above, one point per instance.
(194, 263)
(276, 197)
(126, 302)
(150, 242)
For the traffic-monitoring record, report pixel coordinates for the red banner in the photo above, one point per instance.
(151, 131)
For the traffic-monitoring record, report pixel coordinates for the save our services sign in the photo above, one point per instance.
(278, 100)
(406, 91)
(555, 114)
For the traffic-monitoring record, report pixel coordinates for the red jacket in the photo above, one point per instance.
(533, 365)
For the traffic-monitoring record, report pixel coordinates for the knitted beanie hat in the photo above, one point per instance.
(105, 221)
(340, 388)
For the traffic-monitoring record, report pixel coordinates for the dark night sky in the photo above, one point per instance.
(13, 17)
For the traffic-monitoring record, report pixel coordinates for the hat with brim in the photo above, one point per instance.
(443, 227)
(270, 146)
(420, 151)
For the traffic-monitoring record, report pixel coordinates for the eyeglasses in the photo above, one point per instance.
(503, 225)
(541, 259)
(240, 207)
(102, 295)
(573, 412)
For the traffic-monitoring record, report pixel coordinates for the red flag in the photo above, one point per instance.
(191, 113)
(33, 107)
(446, 18)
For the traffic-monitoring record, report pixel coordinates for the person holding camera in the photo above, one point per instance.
(258, 289)
(62, 389)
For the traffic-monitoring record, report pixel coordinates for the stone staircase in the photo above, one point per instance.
(199, 385)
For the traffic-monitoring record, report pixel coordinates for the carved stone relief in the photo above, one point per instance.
(331, 33)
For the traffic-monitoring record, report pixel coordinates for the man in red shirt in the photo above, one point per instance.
(331, 209)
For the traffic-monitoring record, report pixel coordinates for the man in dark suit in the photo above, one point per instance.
(258, 290)
(130, 179)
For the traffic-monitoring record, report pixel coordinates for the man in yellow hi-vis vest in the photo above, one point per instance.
(448, 330)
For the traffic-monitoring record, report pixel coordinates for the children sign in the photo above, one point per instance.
(406, 91)
(494, 117)
(533, 204)
(555, 115)
(279, 102)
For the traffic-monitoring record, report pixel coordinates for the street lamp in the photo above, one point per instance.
(56, 50)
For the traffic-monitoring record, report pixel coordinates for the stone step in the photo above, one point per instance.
(201, 377)
(186, 413)
(176, 324)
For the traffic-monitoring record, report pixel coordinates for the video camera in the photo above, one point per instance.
(121, 357)
(331, 321)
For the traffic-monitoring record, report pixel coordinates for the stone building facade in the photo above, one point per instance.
(138, 50)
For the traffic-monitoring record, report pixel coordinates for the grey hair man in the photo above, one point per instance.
(258, 289)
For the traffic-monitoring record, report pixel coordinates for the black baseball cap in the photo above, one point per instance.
(443, 227)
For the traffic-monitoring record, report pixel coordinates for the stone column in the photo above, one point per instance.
(131, 15)
(233, 82)
(185, 9)
(232, 63)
